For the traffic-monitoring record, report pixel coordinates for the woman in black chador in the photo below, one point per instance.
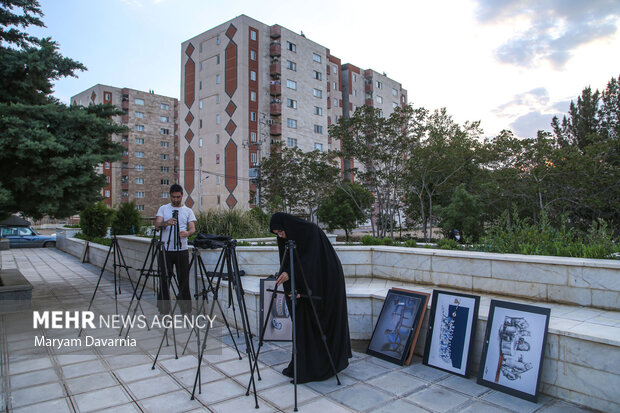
(323, 273)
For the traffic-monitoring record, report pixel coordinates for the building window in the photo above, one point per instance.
(291, 142)
(253, 116)
(217, 181)
(291, 84)
(218, 199)
(217, 158)
(140, 128)
(354, 77)
(217, 99)
(139, 194)
(317, 93)
(217, 59)
(200, 123)
(355, 92)
(164, 144)
(139, 154)
(379, 84)
(166, 106)
(164, 131)
(252, 136)
(291, 65)
(379, 99)
(165, 119)
(140, 207)
(107, 96)
(200, 67)
(217, 138)
(316, 57)
(253, 96)
(335, 85)
(252, 54)
(139, 115)
(165, 194)
(253, 34)
(107, 193)
(318, 110)
(124, 165)
(292, 47)
(218, 79)
(291, 103)
(164, 157)
(218, 119)
(139, 102)
(394, 105)
(317, 75)
(291, 123)
(253, 158)
(165, 182)
(217, 39)
(164, 169)
(200, 104)
(107, 165)
(126, 153)
(107, 179)
(125, 194)
(318, 146)
(200, 143)
(139, 181)
(139, 141)
(318, 129)
(252, 75)
(336, 102)
(394, 92)
(334, 70)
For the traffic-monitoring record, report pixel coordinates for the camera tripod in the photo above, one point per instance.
(291, 249)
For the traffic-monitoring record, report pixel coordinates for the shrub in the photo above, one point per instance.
(387, 241)
(367, 240)
(95, 219)
(97, 240)
(447, 244)
(127, 219)
(411, 243)
(236, 223)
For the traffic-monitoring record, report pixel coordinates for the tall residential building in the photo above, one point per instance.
(246, 85)
(150, 161)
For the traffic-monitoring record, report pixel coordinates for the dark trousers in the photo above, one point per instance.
(177, 264)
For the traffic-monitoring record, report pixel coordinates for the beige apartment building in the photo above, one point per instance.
(246, 85)
(150, 161)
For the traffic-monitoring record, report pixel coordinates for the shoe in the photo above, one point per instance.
(288, 372)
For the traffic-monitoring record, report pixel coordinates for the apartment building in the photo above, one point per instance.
(150, 161)
(246, 86)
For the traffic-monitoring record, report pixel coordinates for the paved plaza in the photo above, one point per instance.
(96, 378)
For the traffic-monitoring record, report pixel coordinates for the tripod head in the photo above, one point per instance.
(211, 241)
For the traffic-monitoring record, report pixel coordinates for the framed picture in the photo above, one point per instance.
(398, 326)
(513, 348)
(279, 324)
(451, 330)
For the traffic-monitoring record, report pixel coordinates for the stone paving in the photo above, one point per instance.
(89, 379)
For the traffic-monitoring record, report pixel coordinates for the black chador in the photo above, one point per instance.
(323, 273)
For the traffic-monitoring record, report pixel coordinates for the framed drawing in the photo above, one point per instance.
(398, 326)
(513, 348)
(451, 330)
(279, 324)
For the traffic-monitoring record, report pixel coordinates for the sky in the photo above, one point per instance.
(511, 64)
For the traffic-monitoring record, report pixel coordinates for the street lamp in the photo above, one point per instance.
(264, 122)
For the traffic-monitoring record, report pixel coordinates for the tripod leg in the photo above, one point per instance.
(294, 304)
(165, 336)
(135, 293)
(124, 265)
(201, 352)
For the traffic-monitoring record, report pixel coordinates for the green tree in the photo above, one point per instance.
(95, 219)
(347, 206)
(464, 212)
(48, 151)
(127, 219)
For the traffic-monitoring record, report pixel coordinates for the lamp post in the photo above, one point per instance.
(200, 172)
(264, 123)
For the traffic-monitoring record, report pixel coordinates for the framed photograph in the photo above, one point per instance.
(279, 324)
(513, 348)
(451, 330)
(398, 326)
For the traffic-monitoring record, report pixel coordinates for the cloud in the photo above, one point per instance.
(528, 125)
(554, 27)
(535, 98)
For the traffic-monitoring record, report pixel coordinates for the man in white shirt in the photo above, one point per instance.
(177, 255)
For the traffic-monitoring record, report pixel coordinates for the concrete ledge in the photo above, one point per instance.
(15, 291)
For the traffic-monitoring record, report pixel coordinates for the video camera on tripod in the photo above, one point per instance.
(210, 241)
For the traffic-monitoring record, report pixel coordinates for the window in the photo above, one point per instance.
(334, 70)
(165, 119)
(200, 85)
(107, 179)
(217, 138)
(291, 84)
(316, 74)
(164, 169)
(217, 181)
(318, 110)
(125, 179)
(252, 75)
(139, 154)
(200, 123)
(218, 79)
(139, 102)
(318, 129)
(253, 158)
(200, 143)
(291, 123)
(139, 194)
(335, 85)
(253, 96)
(164, 144)
(218, 119)
(317, 93)
(336, 102)
(165, 182)
(165, 194)
(107, 165)
(139, 115)
(125, 153)
(252, 136)
(124, 165)
(107, 96)
(164, 157)
(140, 128)
(107, 193)
(291, 47)
(253, 54)
(379, 99)
(318, 146)
(125, 194)
(291, 142)
(316, 57)
(200, 67)
(291, 103)
(139, 141)
(355, 92)
(379, 84)
(164, 131)
(291, 65)
(217, 99)
(217, 158)
(354, 77)
(140, 207)
(139, 181)
(253, 34)
(394, 92)
(253, 116)
(217, 39)
(394, 105)
(200, 104)
(165, 106)
(218, 199)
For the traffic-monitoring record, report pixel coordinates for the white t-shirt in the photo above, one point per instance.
(186, 215)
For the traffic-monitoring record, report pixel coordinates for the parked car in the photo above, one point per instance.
(26, 237)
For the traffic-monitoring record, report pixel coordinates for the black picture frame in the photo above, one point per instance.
(279, 326)
(451, 332)
(398, 326)
(513, 348)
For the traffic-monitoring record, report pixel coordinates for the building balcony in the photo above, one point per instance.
(125, 118)
(125, 104)
(275, 49)
(275, 108)
(275, 128)
(368, 87)
(125, 187)
(275, 32)
(275, 89)
(275, 69)
(369, 102)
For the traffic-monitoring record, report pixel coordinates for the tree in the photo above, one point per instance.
(95, 219)
(346, 207)
(127, 219)
(464, 212)
(48, 151)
